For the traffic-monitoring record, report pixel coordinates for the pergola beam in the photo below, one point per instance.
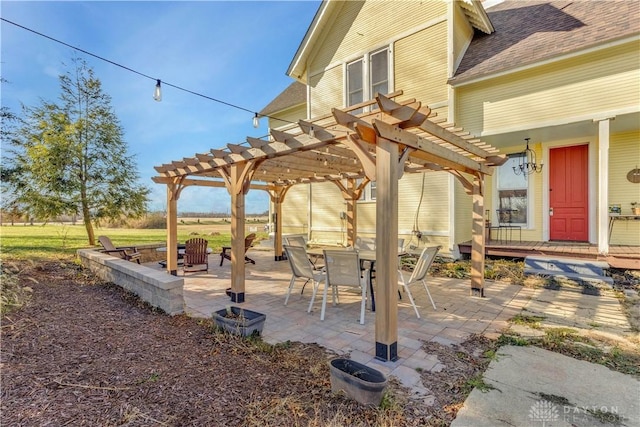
(379, 144)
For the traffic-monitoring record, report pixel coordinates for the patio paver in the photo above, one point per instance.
(458, 315)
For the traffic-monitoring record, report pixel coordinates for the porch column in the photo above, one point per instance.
(603, 186)
(386, 250)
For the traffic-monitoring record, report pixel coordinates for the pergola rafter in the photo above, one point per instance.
(389, 139)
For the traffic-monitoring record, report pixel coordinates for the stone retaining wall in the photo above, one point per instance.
(156, 287)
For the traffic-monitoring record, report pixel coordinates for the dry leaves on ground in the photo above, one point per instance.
(82, 352)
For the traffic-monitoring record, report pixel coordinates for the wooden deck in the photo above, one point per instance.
(619, 256)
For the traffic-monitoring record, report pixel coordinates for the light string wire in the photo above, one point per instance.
(143, 74)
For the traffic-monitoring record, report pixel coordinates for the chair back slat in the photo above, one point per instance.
(195, 251)
(365, 243)
(106, 243)
(343, 267)
(299, 261)
(248, 241)
(296, 241)
(424, 263)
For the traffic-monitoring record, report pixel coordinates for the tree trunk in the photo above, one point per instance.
(86, 218)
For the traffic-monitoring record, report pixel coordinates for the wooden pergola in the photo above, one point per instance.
(349, 150)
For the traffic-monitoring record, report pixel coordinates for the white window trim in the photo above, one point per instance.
(366, 73)
(530, 225)
(366, 195)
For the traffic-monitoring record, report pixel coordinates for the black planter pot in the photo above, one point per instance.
(360, 382)
(242, 322)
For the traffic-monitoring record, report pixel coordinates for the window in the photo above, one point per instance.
(369, 192)
(513, 195)
(355, 90)
(379, 71)
(372, 190)
(367, 76)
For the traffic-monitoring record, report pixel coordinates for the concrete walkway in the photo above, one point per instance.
(535, 387)
(458, 315)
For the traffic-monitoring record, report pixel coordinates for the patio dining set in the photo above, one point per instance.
(351, 268)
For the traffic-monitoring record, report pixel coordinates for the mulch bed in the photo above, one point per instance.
(83, 352)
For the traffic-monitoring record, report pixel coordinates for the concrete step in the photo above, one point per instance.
(580, 269)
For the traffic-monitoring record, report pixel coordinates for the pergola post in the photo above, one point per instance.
(478, 237)
(386, 250)
(238, 178)
(173, 194)
(276, 194)
(351, 194)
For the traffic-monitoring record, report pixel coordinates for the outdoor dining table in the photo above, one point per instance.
(364, 255)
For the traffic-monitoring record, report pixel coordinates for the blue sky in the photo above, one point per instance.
(237, 52)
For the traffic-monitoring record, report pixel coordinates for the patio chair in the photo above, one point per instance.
(343, 269)
(296, 241)
(195, 254)
(301, 268)
(301, 242)
(419, 273)
(129, 253)
(365, 243)
(226, 250)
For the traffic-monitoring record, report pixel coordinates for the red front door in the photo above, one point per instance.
(568, 193)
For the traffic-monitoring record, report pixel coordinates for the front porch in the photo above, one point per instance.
(620, 256)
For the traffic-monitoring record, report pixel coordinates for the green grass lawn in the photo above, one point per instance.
(57, 240)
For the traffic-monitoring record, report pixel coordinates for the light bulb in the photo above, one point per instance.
(312, 132)
(256, 121)
(157, 93)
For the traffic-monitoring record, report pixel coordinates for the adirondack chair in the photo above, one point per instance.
(195, 255)
(226, 250)
(129, 253)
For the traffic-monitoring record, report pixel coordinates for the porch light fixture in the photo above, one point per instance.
(527, 162)
(157, 93)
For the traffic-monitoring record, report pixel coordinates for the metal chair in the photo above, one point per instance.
(505, 224)
(296, 241)
(195, 254)
(302, 242)
(301, 268)
(365, 243)
(343, 269)
(419, 273)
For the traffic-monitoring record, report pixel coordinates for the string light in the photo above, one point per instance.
(312, 132)
(157, 93)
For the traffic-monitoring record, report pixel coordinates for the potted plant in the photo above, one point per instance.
(635, 209)
(360, 382)
(239, 321)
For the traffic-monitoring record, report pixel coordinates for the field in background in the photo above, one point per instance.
(62, 240)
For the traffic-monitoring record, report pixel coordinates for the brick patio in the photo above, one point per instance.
(458, 315)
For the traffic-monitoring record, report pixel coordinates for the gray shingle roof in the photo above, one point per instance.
(527, 32)
(294, 94)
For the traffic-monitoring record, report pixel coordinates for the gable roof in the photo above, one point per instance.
(294, 95)
(472, 9)
(529, 32)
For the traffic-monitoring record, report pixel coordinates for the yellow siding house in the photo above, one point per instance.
(559, 78)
